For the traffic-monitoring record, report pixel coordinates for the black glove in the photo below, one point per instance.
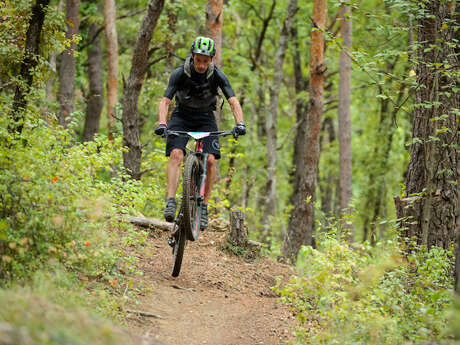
(239, 129)
(161, 129)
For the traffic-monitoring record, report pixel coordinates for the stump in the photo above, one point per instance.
(238, 232)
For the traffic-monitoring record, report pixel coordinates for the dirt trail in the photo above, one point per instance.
(218, 299)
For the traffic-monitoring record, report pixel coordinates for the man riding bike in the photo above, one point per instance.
(195, 85)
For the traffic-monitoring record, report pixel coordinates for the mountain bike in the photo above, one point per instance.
(187, 222)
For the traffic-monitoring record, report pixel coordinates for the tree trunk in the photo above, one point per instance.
(345, 182)
(95, 99)
(111, 39)
(432, 177)
(457, 264)
(68, 64)
(132, 90)
(172, 27)
(29, 62)
(238, 232)
(258, 108)
(271, 203)
(456, 12)
(327, 187)
(300, 84)
(378, 160)
(52, 63)
(214, 20)
(300, 229)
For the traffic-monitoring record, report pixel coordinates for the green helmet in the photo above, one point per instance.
(203, 46)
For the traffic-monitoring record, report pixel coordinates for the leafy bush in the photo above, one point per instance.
(366, 295)
(58, 201)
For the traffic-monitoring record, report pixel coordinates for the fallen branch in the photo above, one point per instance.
(151, 222)
(145, 313)
(182, 288)
(254, 243)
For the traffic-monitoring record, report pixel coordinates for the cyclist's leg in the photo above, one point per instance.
(175, 150)
(210, 177)
(212, 147)
(173, 171)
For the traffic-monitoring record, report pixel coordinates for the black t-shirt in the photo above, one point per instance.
(190, 93)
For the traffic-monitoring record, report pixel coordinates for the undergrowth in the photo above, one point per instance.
(371, 295)
(61, 200)
(54, 308)
(65, 246)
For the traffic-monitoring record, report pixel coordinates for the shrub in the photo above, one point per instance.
(370, 295)
(58, 200)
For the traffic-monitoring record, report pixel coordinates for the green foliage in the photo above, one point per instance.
(58, 201)
(53, 310)
(370, 295)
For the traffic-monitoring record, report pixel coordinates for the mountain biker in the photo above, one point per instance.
(195, 85)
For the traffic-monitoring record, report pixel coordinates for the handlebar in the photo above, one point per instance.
(200, 135)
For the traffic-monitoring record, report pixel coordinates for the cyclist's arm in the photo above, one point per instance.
(169, 94)
(163, 110)
(236, 109)
(226, 88)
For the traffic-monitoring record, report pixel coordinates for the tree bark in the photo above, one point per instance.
(271, 203)
(67, 68)
(29, 62)
(345, 154)
(378, 161)
(456, 14)
(238, 232)
(300, 229)
(111, 39)
(172, 27)
(214, 21)
(132, 90)
(95, 99)
(433, 168)
(52, 62)
(329, 204)
(300, 84)
(151, 222)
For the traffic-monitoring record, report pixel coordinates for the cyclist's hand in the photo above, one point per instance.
(239, 129)
(161, 129)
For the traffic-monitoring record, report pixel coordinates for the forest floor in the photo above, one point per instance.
(218, 299)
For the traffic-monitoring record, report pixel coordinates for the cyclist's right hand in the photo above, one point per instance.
(161, 129)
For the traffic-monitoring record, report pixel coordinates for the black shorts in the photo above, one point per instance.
(193, 122)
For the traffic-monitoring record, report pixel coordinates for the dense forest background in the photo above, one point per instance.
(349, 168)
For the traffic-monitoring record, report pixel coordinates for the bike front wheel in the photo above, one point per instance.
(178, 249)
(191, 197)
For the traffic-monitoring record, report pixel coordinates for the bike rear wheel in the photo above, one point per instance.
(191, 197)
(178, 249)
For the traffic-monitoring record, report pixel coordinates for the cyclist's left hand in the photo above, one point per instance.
(239, 129)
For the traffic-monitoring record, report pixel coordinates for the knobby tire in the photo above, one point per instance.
(190, 195)
(178, 251)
